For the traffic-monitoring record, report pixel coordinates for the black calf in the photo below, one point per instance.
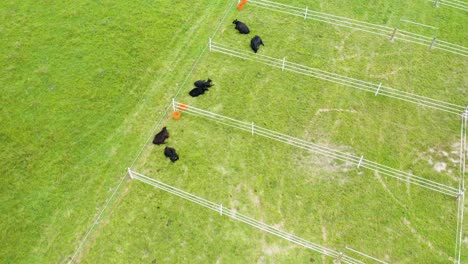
(197, 91)
(171, 154)
(243, 29)
(161, 137)
(203, 83)
(255, 43)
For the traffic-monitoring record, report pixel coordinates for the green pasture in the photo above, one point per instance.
(86, 82)
(82, 83)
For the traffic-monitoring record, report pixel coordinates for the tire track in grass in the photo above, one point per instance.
(385, 187)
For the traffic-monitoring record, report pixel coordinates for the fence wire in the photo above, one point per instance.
(459, 233)
(243, 218)
(320, 149)
(376, 89)
(457, 4)
(461, 186)
(381, 30)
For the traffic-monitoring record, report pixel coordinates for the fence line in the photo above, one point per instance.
(365, 255)
(459, 234)
(381, 30)
(457, 4)
(320, 149)
(419, 24)
(463, 148)
(461, 186)
(376, 89)
(242, 218)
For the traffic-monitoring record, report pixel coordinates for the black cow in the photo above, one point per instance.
(161, 136)
(197, 91)
(171, 154)
(255, 43)
(203, 83)
(243, 29)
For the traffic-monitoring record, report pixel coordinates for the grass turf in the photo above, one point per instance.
(264, 179)
(286, 187)
(79, 80)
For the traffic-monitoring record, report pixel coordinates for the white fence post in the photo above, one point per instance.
(432, 43)
(173, 105)
(464, 147)
(393, 35)
(464, 115)
(461, 207)
(360, 161)
(284, 61)
(221, 209)
(305, 15)
(130, 173)
(340, 255)
(378, 88)
(209, 44)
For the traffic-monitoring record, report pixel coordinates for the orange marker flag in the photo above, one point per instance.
(176, 115)
(241, 4)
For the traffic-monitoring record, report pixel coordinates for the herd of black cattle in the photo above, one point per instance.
(201, 86)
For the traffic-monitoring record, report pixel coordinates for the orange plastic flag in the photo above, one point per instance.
(241, 4)
(176, 115)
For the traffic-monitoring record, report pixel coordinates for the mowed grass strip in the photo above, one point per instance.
(78, 80)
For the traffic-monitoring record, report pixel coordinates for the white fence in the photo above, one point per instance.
(458, 4)
(459, 234)
(242, 218)
(360, 162)
(461, 186)
(376, 89)
(385, 31)
(365, 255)
(463, 148)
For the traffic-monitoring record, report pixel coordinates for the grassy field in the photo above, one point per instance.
(82, 83)
(87, 81)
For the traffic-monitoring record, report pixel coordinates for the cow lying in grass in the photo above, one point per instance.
(255, 43)
(241, 27)
(161, 137)
(201, 87)
(203, 83)
(197, 91)
(171, 154)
